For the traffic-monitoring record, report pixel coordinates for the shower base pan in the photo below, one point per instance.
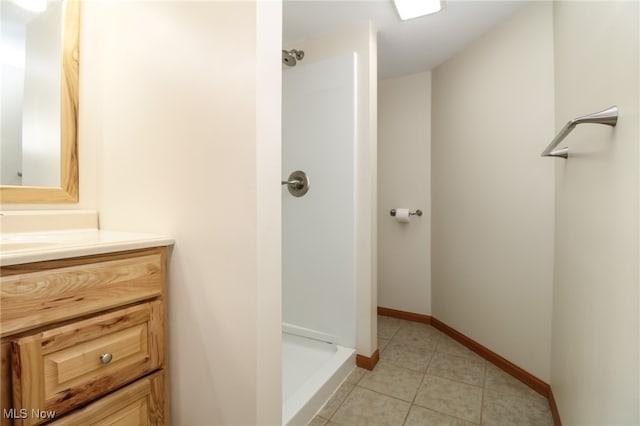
(311, 371)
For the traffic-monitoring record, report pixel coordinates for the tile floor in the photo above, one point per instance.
(426, 378)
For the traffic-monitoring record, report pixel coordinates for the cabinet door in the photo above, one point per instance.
(5, 384)
(57, 370)
(139, 404)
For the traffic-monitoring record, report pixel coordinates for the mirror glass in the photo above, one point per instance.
(39, 100)
(30, 78)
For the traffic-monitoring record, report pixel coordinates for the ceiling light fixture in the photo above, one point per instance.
(408, 9)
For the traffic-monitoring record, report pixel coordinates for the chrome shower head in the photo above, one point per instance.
(291, 57)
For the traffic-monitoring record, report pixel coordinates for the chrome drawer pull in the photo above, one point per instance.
(105, 358)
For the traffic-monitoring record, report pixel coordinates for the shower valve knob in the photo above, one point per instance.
(297, 184)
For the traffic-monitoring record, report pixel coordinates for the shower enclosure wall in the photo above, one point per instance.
(318, 233)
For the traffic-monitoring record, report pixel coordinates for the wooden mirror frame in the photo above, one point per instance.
(68, 191)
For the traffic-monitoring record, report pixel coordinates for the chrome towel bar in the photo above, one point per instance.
(608, 116)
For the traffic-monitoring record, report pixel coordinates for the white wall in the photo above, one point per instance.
(268, 380)
(404, 180)
(362, 40)
(492, 194)
(184, 111)
(318, 229)
(595, 363)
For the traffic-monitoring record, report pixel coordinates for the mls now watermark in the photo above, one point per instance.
(23, 413)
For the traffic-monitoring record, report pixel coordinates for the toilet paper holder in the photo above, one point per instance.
(416, 213)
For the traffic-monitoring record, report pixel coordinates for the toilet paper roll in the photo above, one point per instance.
(402, 215)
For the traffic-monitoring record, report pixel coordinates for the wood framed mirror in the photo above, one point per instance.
(66, 189)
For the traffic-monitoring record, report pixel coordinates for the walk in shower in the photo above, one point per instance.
(318, 230)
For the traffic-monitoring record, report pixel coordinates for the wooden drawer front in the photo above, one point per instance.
(80, 363)
(59, 369)
(139, 404)
(48, 296)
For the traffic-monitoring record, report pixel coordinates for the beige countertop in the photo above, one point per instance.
(49, 242)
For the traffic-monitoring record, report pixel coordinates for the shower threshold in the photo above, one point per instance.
(311, 371)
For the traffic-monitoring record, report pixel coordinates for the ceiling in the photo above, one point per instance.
(404, 47)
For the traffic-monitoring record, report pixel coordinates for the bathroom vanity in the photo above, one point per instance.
(83, 336)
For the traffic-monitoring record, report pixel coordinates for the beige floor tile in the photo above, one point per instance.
(451, 392)
(466, 370)
(367, 408)
(318, 421)
(501, 409)
(356, 375)
(425, 329)
(421, 326)
(419, 416)
(421, 336)
(449, 346)
(452, 398)
(382, 343)
(498, 380)
(336, 399)
(392, 380)
(407, 356)
(387, 326)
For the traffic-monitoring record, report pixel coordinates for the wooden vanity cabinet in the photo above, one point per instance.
(83, 341)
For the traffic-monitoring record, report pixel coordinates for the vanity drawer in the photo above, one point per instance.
(64, 367)
(140, 403)
(48, 292)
